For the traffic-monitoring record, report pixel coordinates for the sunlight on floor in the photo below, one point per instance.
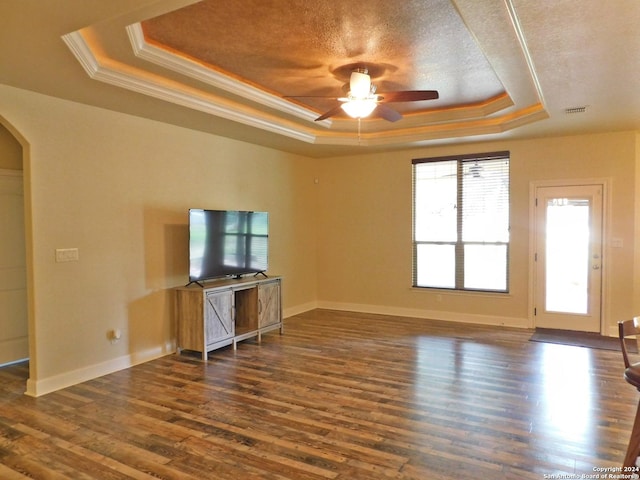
(566, 400)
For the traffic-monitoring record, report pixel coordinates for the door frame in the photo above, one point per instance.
(605, 183)
(19, 174)
(31, 384)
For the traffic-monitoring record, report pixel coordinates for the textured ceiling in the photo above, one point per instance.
(503, 68)
(300, 48)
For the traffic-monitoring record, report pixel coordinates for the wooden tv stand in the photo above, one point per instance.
(224, 312)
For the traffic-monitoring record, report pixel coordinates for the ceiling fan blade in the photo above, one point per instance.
(409, 96)
(334, 111)
(388, 113)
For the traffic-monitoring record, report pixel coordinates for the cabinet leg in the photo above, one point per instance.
(235, 344)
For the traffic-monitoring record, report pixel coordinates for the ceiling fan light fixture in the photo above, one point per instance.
(359, 108)
(362, 99)
(360, 84)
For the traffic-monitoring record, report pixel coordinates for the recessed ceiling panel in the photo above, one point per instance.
(278, 65)
(300, 48)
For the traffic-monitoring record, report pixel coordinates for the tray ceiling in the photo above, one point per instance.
(245, 61)
(503, 68)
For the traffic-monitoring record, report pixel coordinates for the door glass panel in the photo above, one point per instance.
(567, 255)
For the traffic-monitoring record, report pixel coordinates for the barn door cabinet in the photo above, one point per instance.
(269, 306)
(227, 311)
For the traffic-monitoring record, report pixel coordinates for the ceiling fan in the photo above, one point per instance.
(362, 99)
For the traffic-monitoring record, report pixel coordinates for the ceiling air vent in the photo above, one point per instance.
(575, 110)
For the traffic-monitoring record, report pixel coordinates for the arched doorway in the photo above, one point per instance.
(14, 272)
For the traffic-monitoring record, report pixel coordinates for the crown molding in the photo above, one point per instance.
(124, 76)
(415, 135)
(190, 68)
(453, 122)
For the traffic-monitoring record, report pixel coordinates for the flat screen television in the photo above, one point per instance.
(225, 243)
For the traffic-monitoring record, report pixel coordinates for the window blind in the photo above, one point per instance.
(461, 222)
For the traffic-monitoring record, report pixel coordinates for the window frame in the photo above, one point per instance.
(459, 243)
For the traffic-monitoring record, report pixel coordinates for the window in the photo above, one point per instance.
(461, 222)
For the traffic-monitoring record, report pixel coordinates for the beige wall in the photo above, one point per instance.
(364, 242)
(118, 188)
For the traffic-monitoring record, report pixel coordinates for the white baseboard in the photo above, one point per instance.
(37, 388)
(14, 362)
(14, 350)
(459, 317)
(305, 307)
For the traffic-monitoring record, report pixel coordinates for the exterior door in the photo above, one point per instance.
(14, 339)
(568, 257)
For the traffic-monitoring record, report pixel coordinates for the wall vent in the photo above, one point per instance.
(575, 110)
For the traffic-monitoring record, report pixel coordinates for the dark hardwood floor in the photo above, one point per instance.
(339, 396)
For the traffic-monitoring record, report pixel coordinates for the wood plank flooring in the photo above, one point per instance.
(339, 396)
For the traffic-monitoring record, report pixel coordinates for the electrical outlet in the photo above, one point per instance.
(114, 335)
(67, 255)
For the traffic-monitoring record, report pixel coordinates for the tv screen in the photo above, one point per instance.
(227, 243)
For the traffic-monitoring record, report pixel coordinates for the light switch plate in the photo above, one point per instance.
(67, 255)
